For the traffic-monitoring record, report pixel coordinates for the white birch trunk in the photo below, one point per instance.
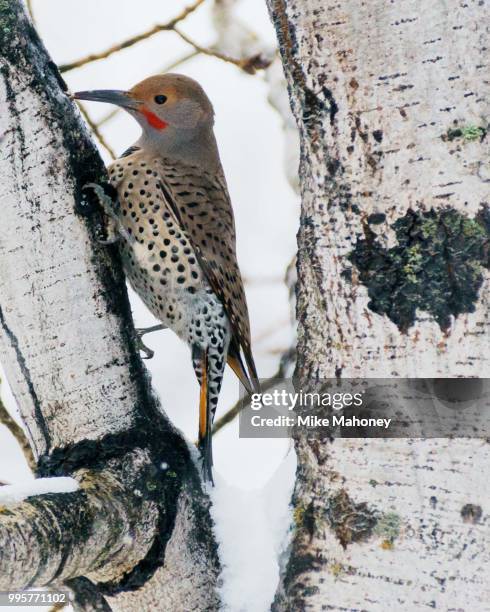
(391, 99)
(137, 534)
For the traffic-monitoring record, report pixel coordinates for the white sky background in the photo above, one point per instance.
(250, 138)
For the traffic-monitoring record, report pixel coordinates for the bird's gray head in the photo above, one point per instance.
(172, 109)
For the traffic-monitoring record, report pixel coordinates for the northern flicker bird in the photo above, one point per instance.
(176, 232)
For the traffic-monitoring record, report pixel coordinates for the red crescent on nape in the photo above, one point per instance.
(153, 120)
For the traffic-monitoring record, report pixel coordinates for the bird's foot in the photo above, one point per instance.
(115, 230)
(140, 332)
(143, 348)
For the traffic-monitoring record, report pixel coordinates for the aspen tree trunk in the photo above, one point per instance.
(391, 99)
(137, 534)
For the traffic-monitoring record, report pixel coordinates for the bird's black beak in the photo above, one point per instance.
(123, 99)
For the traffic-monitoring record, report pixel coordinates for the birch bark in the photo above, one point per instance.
(137, 534)
(391, 100)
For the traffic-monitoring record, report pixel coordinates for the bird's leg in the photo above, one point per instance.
(140, 332)
(114, 228)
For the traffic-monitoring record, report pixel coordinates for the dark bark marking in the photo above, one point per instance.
(28, 380)
(437, 266)
(471, 513)
(351, 522)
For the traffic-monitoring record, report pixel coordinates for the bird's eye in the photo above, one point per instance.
(160, 99)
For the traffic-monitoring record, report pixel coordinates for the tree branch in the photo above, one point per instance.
(139, 527)
(18, 433)
(248, 64)
(125, 44)
(104, 522)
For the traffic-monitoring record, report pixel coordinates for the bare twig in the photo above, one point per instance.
(18, 433)
(94, 127)
(110, 115)
(287, 361)
(249, 64)
(270, 331)
(57, 607)
(263, 280)
(170, 25)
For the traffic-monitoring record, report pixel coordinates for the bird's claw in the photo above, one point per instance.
(140, 332)
(143, 348)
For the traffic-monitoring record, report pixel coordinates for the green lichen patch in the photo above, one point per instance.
(436, 266)
(467, 132)
(388, 526)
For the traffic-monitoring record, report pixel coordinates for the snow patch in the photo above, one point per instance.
(14, 494)
(252, 529)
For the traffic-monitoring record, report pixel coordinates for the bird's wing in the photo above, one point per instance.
(201, 206)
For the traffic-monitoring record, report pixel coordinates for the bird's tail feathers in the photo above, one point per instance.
(247, 375)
